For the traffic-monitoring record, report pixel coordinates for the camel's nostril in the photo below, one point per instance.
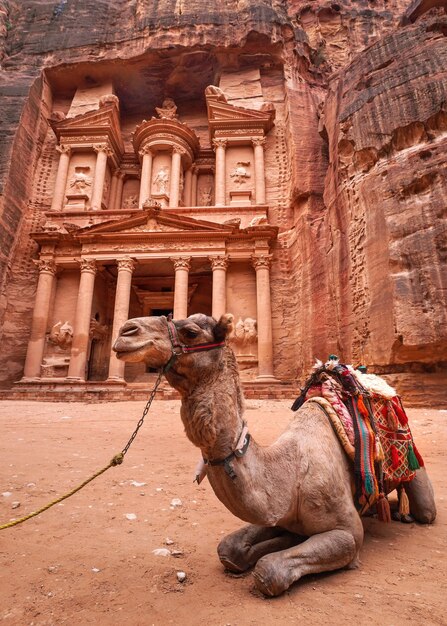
(129, 330)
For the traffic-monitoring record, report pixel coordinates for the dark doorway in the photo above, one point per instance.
(157, 312)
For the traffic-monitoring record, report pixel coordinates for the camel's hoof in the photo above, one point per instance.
(230, 566)
(266, 580)
(406, 519)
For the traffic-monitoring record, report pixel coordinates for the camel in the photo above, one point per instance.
(295, 494)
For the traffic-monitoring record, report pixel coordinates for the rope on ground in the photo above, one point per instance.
(117, 460)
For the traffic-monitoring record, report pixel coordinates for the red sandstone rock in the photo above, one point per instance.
(354, 177)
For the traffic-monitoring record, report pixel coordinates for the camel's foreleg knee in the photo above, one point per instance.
(243, 548)
(320, 553)
(421, 497)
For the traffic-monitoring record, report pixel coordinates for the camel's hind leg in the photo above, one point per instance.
(243, 548)
(421, 497)
(324, 552)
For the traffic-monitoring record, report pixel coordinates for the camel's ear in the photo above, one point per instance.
(223, 327)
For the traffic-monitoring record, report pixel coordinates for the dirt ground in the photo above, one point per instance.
(85, 562)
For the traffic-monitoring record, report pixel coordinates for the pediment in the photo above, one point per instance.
(222, 114)
(153, 221)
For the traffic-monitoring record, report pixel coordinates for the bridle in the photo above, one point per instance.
(179, 348)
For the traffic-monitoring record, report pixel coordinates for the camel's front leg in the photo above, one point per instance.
(320, 553)
(421, 497)
(243, 548)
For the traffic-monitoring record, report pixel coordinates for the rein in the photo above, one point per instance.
(179, 348)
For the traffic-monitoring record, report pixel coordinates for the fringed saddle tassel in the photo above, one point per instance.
(404, 503)
(361, 406)
(418, 456)
(413, 463)
(392, 420)
(379, 454)
(383, 509)
(394, 457)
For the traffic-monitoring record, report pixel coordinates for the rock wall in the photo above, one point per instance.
(356, 181)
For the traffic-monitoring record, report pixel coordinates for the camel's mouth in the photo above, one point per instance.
(126, 352)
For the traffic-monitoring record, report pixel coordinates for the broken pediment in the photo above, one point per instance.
(224, 116)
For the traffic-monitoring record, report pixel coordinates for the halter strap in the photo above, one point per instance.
(179, 348)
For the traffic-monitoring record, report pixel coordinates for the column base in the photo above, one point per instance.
(117, 380)
(74, 379)
(30, 379)
(266, 378)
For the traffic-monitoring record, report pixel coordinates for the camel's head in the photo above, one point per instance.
(148, 339)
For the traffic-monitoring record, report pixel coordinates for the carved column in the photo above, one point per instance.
(146, 176)
(79, 348)
(188, 187)
(121, 312)
(102, 151)
(57, 204)
(259, 170)
(36, 344)
(220, 147)
(174, 190)
(219, 266)
(195, 175)
(182, 266)
(112, 195)
(119, 191)
(264, 315)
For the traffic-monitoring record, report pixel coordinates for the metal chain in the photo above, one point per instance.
(145, 412)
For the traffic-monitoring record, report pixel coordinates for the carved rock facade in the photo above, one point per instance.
(304, 191)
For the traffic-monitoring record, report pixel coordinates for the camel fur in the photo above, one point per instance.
(295, 494)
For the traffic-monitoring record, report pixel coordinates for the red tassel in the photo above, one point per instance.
(362, 408)
(394, 457)
(383, 509)
(418, 456)
(402, 416)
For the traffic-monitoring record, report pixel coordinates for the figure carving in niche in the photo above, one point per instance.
(61, 335)
(131, 202)
(240, 174)
(98, 331)
(161, 180)
(81, 181)
(205, 197)
(244, 336)
(168, 110)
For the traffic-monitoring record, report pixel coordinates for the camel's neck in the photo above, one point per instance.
(212, 404)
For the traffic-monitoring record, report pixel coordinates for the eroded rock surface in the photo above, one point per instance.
(355, 176)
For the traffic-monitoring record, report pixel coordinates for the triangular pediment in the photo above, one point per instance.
(154, 221)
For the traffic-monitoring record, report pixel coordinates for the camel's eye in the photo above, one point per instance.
(190, 332)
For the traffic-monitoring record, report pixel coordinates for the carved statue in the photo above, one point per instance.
(205, 196)
(244, 335)
(131, 202)
(240, 174)
(81, 181)
(161, 180)
(168, 110)
(98, 331)
(212, 90)
(61, 335)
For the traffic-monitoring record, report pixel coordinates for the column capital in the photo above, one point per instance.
(63, 148)
(183, 263)
(179, 150)
(102, 147)
(126, 264)
(145, 150)
(261, 261)
(259, 141)
(219, 143)
(88, 266)
(46, 266)
(219, 262)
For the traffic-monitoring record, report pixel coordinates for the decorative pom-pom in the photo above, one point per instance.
(394, 457)
(413, 463)
(379, 454)
(418, 456)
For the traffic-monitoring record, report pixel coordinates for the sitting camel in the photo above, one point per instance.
(295, 494)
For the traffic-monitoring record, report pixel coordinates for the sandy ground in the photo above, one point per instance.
(85, 562)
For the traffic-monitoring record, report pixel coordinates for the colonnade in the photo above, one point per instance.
(126, 266)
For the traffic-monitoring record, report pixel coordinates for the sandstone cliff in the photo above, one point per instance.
(359, 185)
